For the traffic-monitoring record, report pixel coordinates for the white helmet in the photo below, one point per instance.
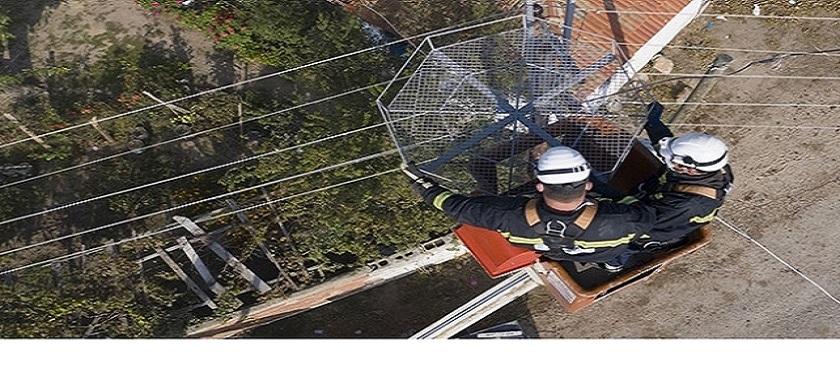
(561, 165)
(694, 150)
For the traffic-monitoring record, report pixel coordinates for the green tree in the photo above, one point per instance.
(5, 34)
(102, 299)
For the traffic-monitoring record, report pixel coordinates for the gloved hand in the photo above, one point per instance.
(654, 114)
(419, 180)
(655, 128)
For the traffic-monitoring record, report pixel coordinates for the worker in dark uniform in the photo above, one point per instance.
(562, 224)
(688, 189)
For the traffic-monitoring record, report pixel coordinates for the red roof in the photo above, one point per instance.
(631, 30)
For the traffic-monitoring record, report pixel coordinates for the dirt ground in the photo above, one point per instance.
(786, 196)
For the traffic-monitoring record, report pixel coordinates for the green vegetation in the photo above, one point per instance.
(5, 35)
(326, 212)
(94, 299)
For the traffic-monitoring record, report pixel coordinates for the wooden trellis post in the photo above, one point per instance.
(26, 130)
(223, 253)
(253, 232)
(175, 109)
(95, 124)
(187, 280)
(200, 267)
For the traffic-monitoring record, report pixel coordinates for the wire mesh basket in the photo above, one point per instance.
(476, 107)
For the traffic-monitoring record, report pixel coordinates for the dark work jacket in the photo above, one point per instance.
(611, 230)
(679, 213)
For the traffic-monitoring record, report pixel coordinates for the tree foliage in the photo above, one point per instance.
(98, 299)
(318, 188)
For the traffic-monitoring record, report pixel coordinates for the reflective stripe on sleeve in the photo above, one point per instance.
(521, 240)
(605, 243)
(440, 198)
(628, 200)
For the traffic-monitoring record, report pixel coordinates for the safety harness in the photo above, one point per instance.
(705, 191)
(556, 234)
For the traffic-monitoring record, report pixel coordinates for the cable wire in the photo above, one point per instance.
(692, 14)
(825, 53)
(176, 227)
(214, 214)
(733, 75)
(186, 175)
(736, 104)
(225, 165)
(181, 138)
(197, 202)
(173, 101)
(263, 77)
(452, 28)
(270, 183)
(775, 256)
(710, 125)
(770, 59)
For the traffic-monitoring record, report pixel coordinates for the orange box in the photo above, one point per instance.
(493, 252)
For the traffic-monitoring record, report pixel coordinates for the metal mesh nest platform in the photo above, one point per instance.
(477, 111)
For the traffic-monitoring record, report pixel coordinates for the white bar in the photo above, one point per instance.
(220, 251)
(190, 283)
(199, 265)
(485, 304)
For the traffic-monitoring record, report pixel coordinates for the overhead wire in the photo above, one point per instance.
(213, 215)
(677, 76)
(190, 174)
(481, 22)
(197, 202)
(151, 214)
(43, 212)
(736, 76)
(732, 15)
(745, 104)
(267, 76)
(332, 137)
(453, 28)
(176, 227)
(692, 14)
(390, 171)
(211, 198)
(775, 256)
(829, 53)
(199, 133)
(752, 126)
(173, 101)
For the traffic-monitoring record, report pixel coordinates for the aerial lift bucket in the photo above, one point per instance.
(577, 285)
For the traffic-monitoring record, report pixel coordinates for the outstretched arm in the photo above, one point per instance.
(656, 129)
(490, 212)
